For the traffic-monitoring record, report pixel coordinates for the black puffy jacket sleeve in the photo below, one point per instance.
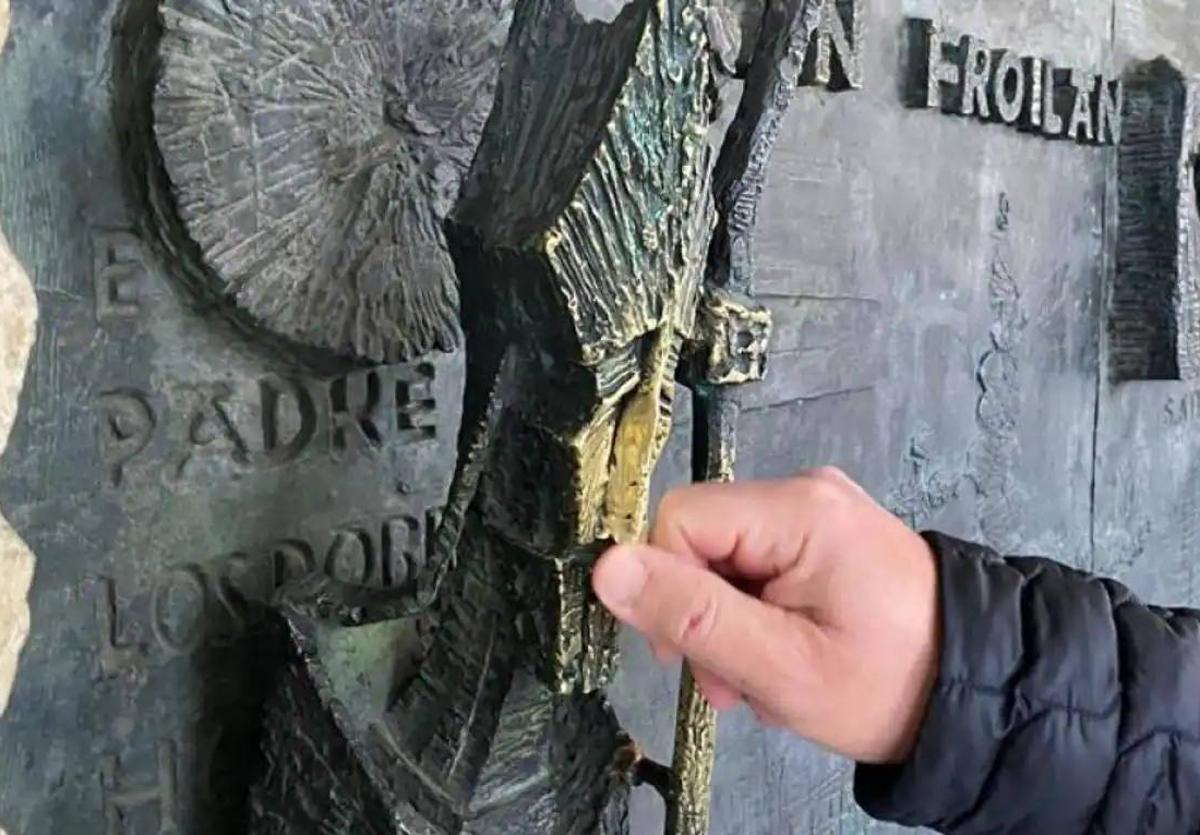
(1063, 706)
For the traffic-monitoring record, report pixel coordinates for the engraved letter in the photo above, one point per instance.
(127, 424)
(179, 611)
(354, 407)
(116, 275)
(838, 36)
(289, 420)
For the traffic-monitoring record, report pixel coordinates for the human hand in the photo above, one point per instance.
(803, 597)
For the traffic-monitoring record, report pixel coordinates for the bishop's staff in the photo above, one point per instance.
(731, 348)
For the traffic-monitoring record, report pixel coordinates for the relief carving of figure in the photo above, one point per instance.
(367, 181)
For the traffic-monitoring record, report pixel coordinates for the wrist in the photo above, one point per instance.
(927, 644)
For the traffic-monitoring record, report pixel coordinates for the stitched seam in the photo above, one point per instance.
(989, 781)
(1035, 701)
(1156, 789)
(1102, 805)
(1174, 734)
(1045, 706)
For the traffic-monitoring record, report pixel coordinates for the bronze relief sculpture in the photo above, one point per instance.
(363, 181)
(251, 231)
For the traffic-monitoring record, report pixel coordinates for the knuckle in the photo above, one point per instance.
(766, 718)
(699, 620)
(831, 474)
(822, 491)
(769, 715)
(675, 517)
(672, 505)
(663, 654)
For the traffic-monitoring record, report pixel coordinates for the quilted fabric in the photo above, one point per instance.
(1064, 705)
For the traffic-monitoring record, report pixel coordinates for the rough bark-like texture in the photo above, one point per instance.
(1155, 329)
(474, 743)
(313, 151)
(18, 318)
(580, 246)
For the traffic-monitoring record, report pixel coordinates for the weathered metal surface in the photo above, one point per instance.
(1155, 300)
(798, 42)
(172, 474)
(689, 803)
(731, 350)
(1147, 477)
(938, 324)
(312, 152)
(939, 290)
(584, 272)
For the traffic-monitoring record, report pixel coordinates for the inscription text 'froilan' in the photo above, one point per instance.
(963, 75)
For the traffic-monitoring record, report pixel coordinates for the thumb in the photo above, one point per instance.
(755, 647)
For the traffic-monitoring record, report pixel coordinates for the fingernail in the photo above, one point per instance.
(620, 578)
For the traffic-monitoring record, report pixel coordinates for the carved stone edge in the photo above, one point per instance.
(18, 325)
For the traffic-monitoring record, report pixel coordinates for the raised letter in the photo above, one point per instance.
(977, 70)
(115, 657)
(1007, 90)
(300, 420)
(354, 406)
(179, 611)
(212, 422)
(931, 73)
(1052, 123)
(1080, 126)
(351, 557)
(117, 273)
(402, 547)
(839, 35)
(416, 408)
(127, 424)
(1032, 112)
(1109, 99)
(291, 559)
(119, 801)
(1153, 303)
